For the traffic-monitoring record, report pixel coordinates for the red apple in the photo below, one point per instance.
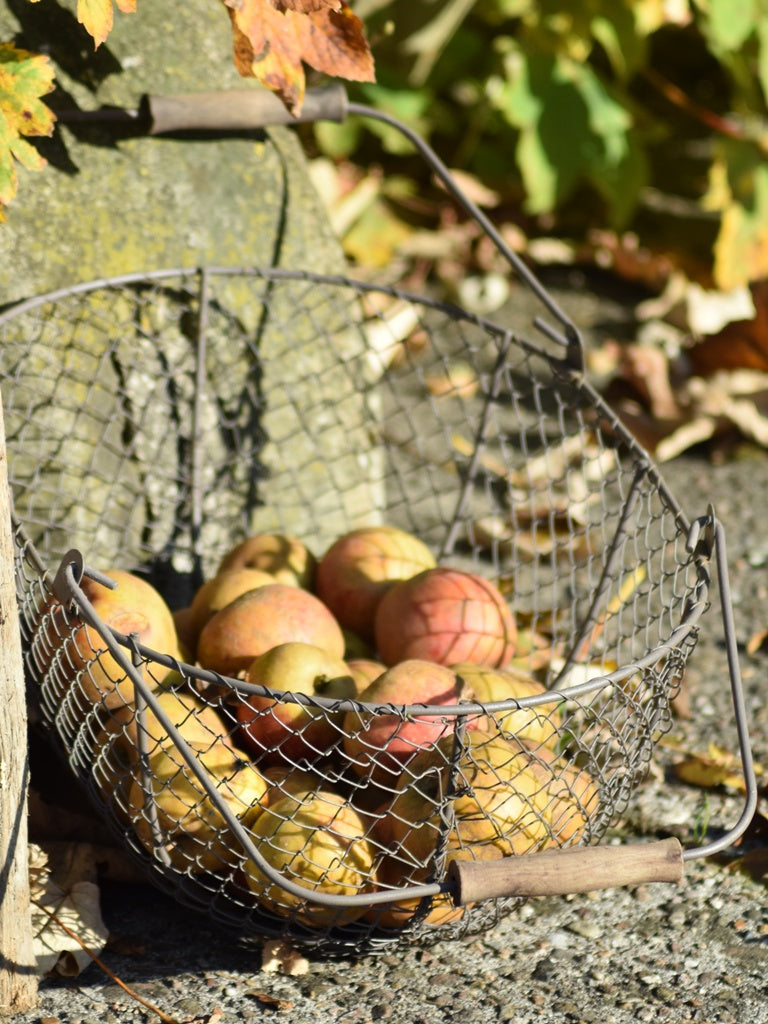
(284, 730)
(379, 744)
(221, 590)
(445, 615)
(359, 567)
(259, 619)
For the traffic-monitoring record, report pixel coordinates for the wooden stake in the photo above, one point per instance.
(18, 970)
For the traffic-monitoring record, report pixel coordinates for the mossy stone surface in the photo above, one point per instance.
(108, 205)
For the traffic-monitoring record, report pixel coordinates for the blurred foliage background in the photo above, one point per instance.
(632, 130)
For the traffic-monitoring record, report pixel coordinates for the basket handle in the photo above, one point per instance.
(239, 110)
(562, 872)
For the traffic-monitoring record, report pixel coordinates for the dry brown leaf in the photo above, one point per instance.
(647, 370)
(756, 641)
(305, 6)
(77, 907)
(272, 45)
(271, 1002)
(459, 378)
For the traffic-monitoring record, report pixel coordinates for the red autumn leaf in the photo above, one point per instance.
(272, 46)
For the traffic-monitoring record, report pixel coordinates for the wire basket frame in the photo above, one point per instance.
(176, 414)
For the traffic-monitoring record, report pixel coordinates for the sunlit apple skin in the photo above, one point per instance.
(499, 800)
(219, 591)
(285, 558)
(379, 744)
(190, 829)
(537, 726)
(572, 796)
(286, 730)
(263, 618)
(83, 660)
(445, 615)
(392, 873)
(359, 567)
(318, 842)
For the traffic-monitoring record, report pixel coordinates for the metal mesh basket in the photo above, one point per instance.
(156, 420)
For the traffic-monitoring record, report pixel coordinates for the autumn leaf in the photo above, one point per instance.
(273, 41)
(24, 78)
(97, 16)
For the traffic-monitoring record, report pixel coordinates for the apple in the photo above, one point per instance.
(378, 744)
(359, 567)
(287, 559)
(285, 730)
(319, 843)
(219, 591)
(498, 800)
(445, 615)
(259, 619)
(172, 813)
(119, 744)
(484, 685)
(573, 796)
(365, 671)
(392, 873)
(133, 607)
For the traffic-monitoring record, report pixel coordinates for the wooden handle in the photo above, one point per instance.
(559, 872)
(240, 110)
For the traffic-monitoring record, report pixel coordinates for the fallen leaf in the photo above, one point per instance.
(77, 908)
(273, 1002)
(756, 641)
(711, 770)
(97, 16)
(458, 378)
(754, 863)
(278, 957)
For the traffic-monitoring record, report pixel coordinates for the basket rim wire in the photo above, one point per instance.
(703, 538)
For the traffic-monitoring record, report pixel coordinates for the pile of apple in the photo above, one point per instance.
(342, 801)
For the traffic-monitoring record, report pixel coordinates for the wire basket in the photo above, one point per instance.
(176, 414)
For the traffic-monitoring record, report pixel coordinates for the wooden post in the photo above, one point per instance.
(18, 971)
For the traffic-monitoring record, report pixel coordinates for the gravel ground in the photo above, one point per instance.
(694, 952)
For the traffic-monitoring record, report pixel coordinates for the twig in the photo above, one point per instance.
(707, 117)
(134, 995)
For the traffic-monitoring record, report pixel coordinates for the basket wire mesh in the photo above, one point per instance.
(154, 421)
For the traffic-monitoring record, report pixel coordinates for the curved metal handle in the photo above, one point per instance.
(561, 872)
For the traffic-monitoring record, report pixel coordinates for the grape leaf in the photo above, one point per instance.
(24, 78)
(272, 45)
(571, 129)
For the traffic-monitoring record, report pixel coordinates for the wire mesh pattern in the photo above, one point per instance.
(155, 421)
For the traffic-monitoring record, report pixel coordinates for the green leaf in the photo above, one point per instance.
(571, 130)
(729, 23)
